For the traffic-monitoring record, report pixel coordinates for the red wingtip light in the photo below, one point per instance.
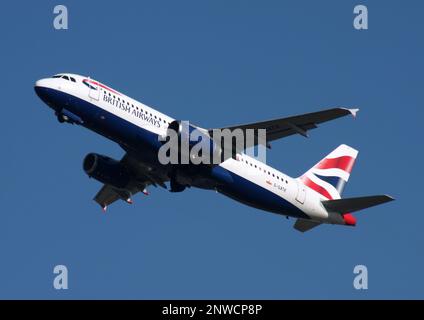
(349, 219)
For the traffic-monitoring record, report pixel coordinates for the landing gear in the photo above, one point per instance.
(67, 116)
(61, 118)
(175, 185)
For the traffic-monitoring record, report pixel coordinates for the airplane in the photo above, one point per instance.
(312, 199)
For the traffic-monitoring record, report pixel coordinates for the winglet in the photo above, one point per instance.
(353, 112)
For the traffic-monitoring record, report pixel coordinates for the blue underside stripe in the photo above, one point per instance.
(127, 133)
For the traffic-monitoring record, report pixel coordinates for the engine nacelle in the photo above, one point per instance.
(106, 170)
(194, 137)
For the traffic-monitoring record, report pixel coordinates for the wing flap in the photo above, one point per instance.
(106, 196)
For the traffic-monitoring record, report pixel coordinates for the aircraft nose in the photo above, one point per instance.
(39, 88)
(42, 90)
(40, 83)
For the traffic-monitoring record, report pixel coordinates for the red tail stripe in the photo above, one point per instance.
(308, 182)
(344, 163)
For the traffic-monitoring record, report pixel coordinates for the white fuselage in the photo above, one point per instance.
(291, 190)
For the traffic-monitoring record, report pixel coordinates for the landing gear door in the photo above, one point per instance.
(93, 89)
(301, 192)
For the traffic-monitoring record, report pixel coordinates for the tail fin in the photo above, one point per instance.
(329, 176)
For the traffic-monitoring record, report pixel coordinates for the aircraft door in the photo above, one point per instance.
(94, 90)
(301, 192)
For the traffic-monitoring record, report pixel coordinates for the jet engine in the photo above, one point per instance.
(106, 170)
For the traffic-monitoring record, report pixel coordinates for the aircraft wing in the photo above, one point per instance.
(108, 195)
(142, 178)
(300, 124)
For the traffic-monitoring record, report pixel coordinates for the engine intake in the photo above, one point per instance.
(106, 170)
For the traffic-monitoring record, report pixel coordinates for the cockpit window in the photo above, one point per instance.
(69, 78)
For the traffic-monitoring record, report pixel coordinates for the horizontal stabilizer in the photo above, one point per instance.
(305, 225)
(348, 205)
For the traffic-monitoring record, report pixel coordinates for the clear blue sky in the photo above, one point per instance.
(214, 63)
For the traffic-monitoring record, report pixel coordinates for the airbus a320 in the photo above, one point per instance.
(313, 198)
